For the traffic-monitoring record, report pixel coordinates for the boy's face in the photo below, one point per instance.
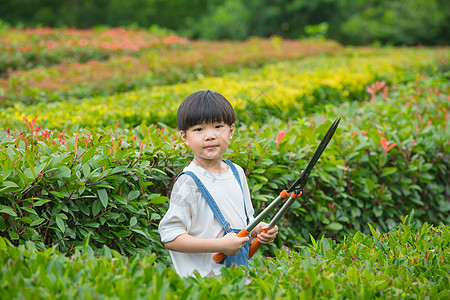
(208, 141)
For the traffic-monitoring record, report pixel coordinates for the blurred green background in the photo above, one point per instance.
(351, 22)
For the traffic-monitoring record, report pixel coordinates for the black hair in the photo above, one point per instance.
(204, 107)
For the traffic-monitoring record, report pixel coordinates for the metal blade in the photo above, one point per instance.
(301, 181)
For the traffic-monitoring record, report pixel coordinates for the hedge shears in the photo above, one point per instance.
(290, 195)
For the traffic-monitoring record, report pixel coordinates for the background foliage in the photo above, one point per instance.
(86, 168)
(406, 22)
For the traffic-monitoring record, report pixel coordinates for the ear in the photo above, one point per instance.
(232, 128)
(184, 137)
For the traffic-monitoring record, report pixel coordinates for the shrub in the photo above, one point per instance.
(150, 67)
(59, 187)
(410, 261)
(388, 156)
(29, 48)
(302, 86)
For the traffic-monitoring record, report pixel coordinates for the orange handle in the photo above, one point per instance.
(218, 257)
(284, 194)
(255, 245)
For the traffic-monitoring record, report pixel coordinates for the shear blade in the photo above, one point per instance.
(301, 181)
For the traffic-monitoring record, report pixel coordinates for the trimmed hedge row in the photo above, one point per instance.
(24, 49)
(58, 188)
(173, 63)
(285, 90)
(409, 261)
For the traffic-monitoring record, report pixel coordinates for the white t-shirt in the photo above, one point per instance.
(190, 213)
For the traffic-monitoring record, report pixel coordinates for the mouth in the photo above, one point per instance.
(210, 147)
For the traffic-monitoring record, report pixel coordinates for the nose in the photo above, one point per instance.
(210, 134)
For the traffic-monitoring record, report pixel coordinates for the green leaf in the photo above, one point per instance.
(118, 169)
(123, 233)
(120, 199)
(328, 284)
(41, 167)
(357, 237)
(159, 200)
(61, 172)
(369, 184)
(86, 170)
(9, 184)
(352, 275)
(2, 243)
(356, 212)
(325, 245)
(13, 235)
(96, 207)
(313, 241)
(424, 229)
(103, 196)
(133, 195)
(106, 252)
(7, 210)
(106, 233)
(373, 231)
(335, 226)
(262, 179)
(29, 209)
(140, 232)
(133, 221)
(61, 224)
(410, 218)
(86, 240)
(37, 222)
(88, 155)
(57, 194)
(155, 216)
(12, 186)
(256, 187)
(29, 173)
(41, 202)
(83, 208)
(92, 224)
(388, 171)
(26, 220)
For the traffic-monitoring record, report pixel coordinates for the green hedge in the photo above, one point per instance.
(28, 48)
(57, 188)
(176, 60)
(113, 184)
(286, 90)
(357, 180)
(408, 262)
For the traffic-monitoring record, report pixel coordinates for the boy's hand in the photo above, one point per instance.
(265, 237)
(231, 243)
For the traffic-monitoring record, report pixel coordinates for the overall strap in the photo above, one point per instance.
(234, 170)
(236, 175)
(209, 199)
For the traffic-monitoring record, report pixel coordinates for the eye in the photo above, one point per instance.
(197, 129)
(219, 125)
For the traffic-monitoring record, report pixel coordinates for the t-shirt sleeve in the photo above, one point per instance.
(178, 218)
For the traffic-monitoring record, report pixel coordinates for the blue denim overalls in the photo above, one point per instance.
(241, 258)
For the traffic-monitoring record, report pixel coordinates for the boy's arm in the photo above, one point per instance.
(230, 244)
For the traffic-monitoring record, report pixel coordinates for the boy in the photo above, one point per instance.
(211, 195)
